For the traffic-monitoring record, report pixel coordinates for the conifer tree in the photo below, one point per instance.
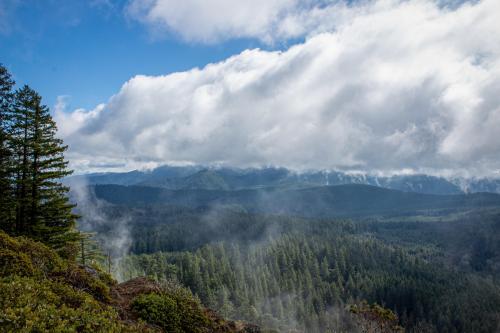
(6, 198)
(20, 141)
(43, 209)
(89, 252)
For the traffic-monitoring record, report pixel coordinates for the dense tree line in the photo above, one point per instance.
(469, 242)
(294, 273)
(33, 201)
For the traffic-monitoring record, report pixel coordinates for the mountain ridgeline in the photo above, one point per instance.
(220, 178)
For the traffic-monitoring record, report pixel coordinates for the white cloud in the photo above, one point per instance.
(218, 20)
(397, 85)
(267, 20)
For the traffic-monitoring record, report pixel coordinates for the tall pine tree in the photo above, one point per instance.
(6, 198)
(21, 126)
(43, 210)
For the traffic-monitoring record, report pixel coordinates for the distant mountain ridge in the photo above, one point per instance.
(198, 177)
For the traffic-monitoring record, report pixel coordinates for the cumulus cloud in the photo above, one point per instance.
(395, 85)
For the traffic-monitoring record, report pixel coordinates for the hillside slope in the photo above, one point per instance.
(41, 292)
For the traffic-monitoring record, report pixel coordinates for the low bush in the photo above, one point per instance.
(174, 313)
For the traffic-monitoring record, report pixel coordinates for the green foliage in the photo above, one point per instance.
(7, 206)
(84, 278)
(174, 311)
(41, 292)
(160, 310)
(15, 263)
(375, 318)
(89, 251)
(31, 305)
(22, 256)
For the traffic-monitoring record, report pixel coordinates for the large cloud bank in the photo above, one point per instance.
(392, 85)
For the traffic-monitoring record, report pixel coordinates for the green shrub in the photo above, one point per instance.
(174, 313)
(31, 305)
(90, 282)
(160, 310)
(25, 257)
(21, 256)
(15, 263)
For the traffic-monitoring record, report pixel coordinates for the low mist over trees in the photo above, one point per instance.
(291, 273)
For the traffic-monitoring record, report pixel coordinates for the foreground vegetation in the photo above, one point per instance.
(42, 292)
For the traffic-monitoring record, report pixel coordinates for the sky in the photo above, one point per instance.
(374, 85)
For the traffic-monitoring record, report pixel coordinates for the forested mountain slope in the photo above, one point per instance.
(341, 200)
(301, 274)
